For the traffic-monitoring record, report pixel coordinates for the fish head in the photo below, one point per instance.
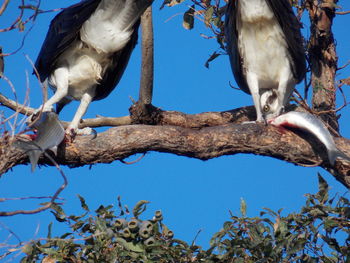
(37, 119)
(270, 106)
(280, 122)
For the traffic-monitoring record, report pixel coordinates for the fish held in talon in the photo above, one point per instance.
(312, 124)
(50, 133)
(265, 47)
(86, 51)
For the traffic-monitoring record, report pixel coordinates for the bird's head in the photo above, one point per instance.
(270, 106)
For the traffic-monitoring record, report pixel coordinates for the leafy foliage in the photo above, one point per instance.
(319, 233)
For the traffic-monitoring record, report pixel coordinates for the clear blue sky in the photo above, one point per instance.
(192, 194)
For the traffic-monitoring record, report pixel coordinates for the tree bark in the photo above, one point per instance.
(202, 136)
(323, 59)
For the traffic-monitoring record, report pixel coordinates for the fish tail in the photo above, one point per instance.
(34, 156)
(32, 150)
(334, 154)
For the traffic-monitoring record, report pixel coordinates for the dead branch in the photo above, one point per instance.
(54, 197)
(342, 12)
(4, 6)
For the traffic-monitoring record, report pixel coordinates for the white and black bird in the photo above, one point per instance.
(266, 52)
(86, 51)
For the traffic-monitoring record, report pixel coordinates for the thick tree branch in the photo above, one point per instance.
(323, 58)
(205, 143)
(157, 116)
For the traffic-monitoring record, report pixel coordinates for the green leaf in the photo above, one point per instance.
(65, 235)
(188, 18)
(211, 58)
(330, 224)
(208, 16)
(27, 249)
(129, 245)
(77, 225)
(139, 208)
(171, 3)
(83, 203)
(322, 195)
(49, 230)
(243, 208)
(58, 213)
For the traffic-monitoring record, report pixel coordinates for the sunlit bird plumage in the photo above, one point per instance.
(266, 52)
(86, 51)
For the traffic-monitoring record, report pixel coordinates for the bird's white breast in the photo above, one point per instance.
(85, 69)
(261, 42)
(108, 29)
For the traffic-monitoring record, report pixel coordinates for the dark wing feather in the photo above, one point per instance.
(115, 71)
(290, 25)
(232, 45)
(64, 29)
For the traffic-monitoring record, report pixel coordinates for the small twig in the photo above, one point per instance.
(11, 232)
(52, 201)
(4, 6)
(342, 13)
(13, 105)
(102, 122)
(27, 197)
(133, 162)
(302, 102)
(93, 123)
(344, 66)
(310, 165)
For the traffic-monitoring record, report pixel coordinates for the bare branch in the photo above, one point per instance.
(205, 143)
(343, 13)
(147, 67)
(13, 105)
(4, 6)
(52, 201)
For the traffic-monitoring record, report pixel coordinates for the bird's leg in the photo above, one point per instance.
(72, 129)
(60, 79)
(284, 91)
(253, 84)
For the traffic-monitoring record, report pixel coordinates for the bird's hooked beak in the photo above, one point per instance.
(265, 120)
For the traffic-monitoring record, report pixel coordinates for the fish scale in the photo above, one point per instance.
(310, 123)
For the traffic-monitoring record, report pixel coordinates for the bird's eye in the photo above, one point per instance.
(266, 108)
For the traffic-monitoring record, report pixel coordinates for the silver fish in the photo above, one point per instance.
(312, 124)
(50, 133)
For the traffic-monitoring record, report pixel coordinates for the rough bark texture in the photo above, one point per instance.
(203, 136)
(323, 59)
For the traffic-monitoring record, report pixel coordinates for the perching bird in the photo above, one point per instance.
(266, 52)
(86, 51)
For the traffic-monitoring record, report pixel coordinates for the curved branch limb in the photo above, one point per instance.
(206, 143)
